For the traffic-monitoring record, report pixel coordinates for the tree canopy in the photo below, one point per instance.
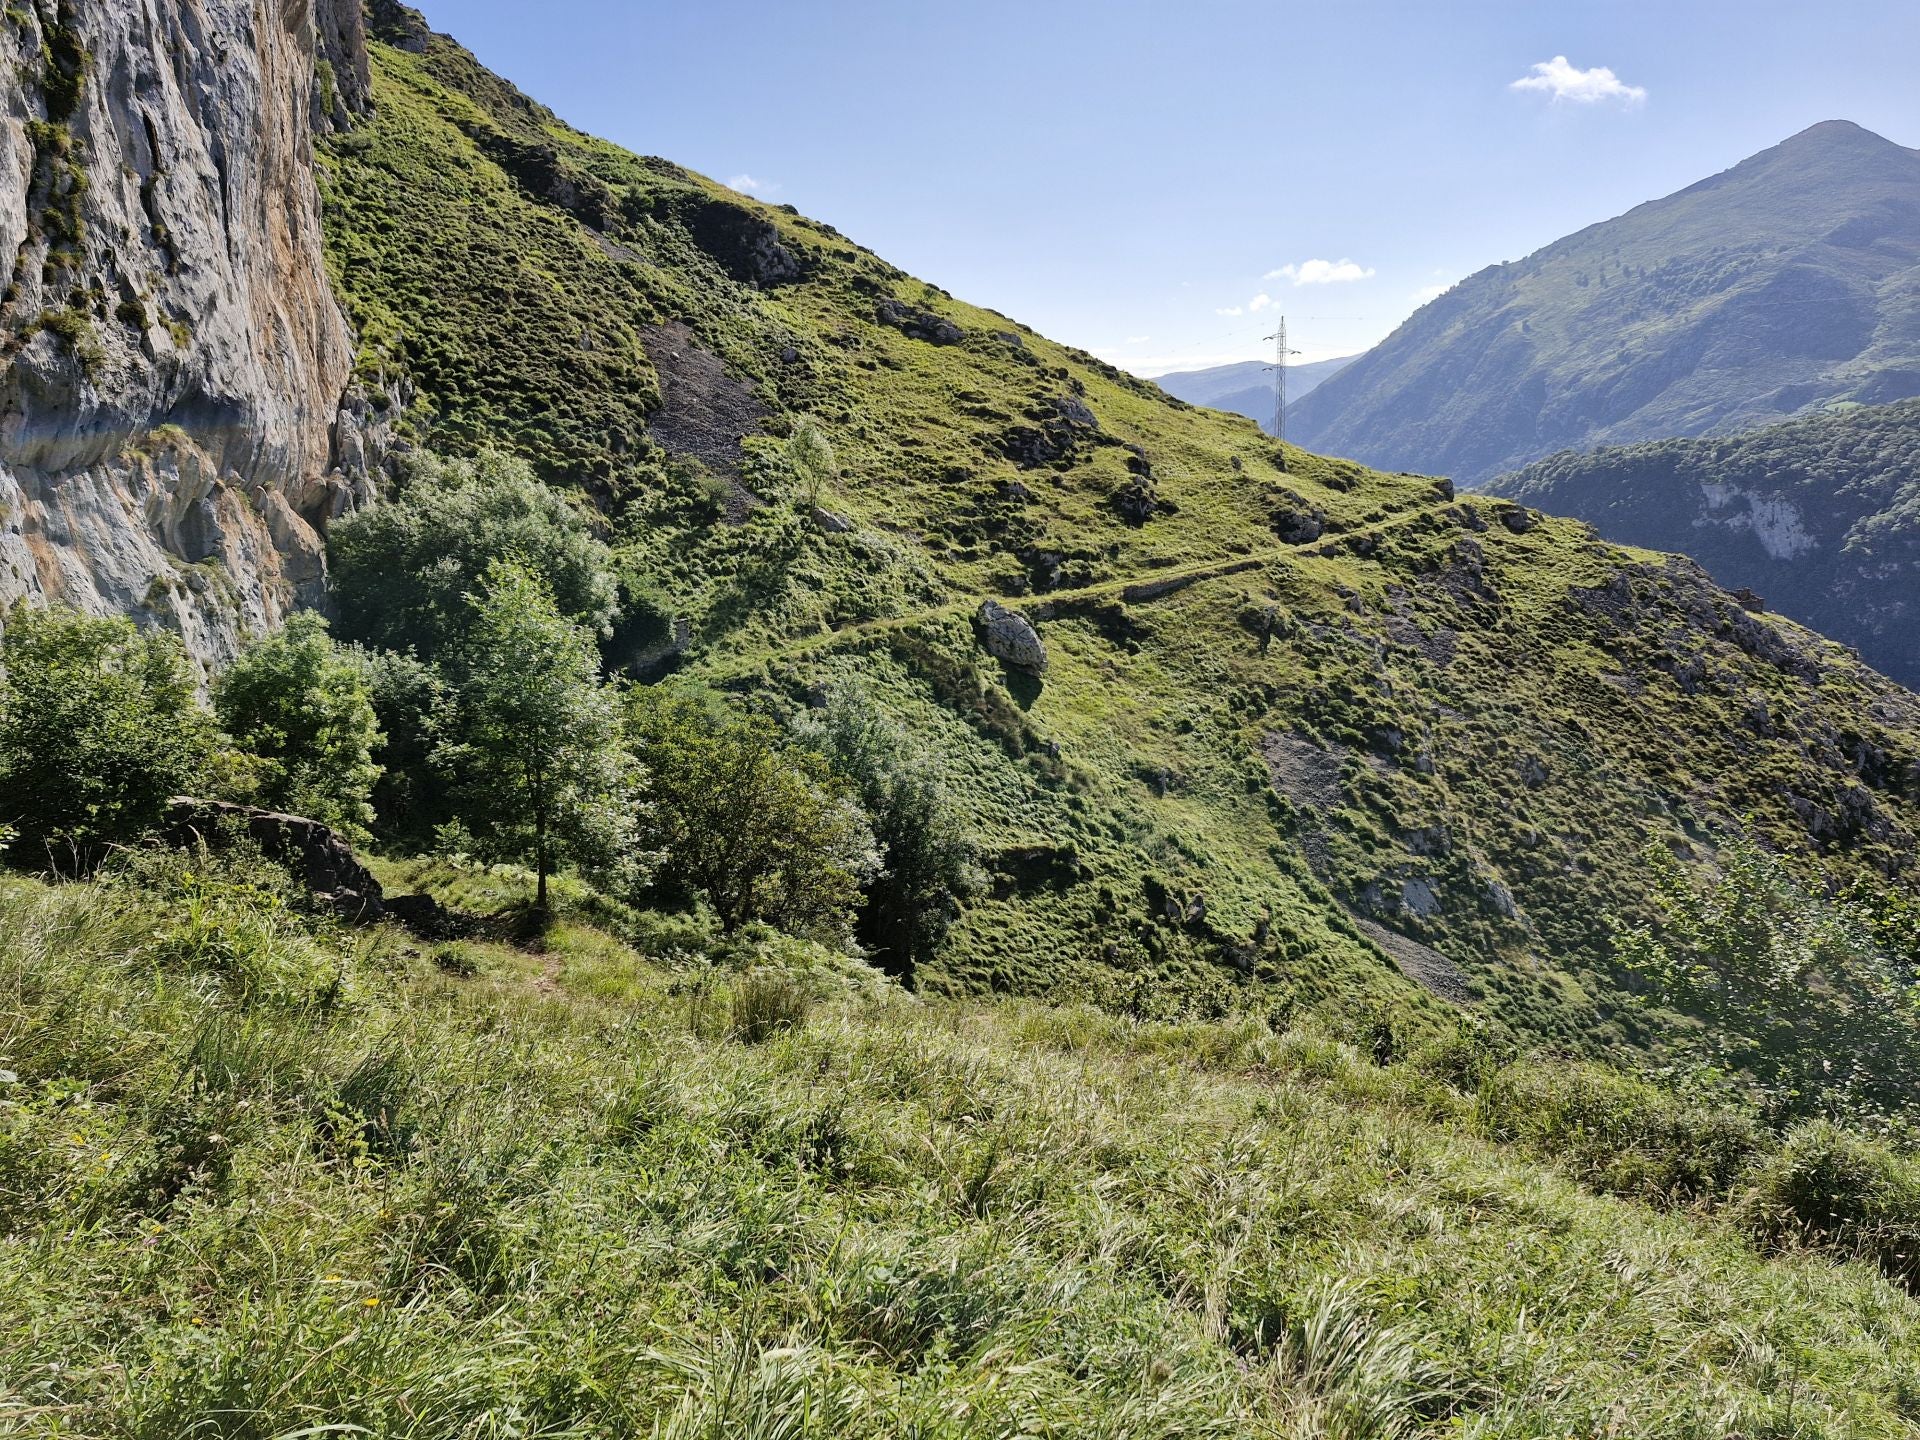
(99, 726)
(402, 572)
(304, 709)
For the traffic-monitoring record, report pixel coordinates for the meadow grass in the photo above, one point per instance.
(476, 1189)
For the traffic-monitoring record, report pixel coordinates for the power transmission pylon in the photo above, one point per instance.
(1279, 369)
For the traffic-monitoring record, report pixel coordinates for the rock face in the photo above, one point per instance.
(174, 369)
(1009, 636)
(315, 854)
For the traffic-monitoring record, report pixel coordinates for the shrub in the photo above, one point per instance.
(304, 708)
(760, 831)
(927, 860)
(1621, 1134)
(414, 709)
(1837, 1190)
(99, 726)
(1813, 999)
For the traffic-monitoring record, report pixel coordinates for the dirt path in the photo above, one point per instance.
(1133, 589)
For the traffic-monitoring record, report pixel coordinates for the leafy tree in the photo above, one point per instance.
(401, 573)
(415, 709)
(810, 454)
(99, 726)
(762, 831)
(928, 860)
(1803, 995)
(539, 770)
(304, 708)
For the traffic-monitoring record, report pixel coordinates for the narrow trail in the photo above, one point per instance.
(1153, 584)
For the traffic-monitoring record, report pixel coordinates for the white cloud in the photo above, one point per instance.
(1322, 272)
(1259, 303)
(1138, 339)
(1231, 310)
(1558, 78)
(752, 185)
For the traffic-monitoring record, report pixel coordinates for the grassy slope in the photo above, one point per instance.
(1540, 757)
(1849, 480)
(488, 1192)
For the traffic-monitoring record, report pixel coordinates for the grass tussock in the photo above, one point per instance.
(468, 1189)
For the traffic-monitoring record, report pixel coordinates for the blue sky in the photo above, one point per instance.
(1125, 175)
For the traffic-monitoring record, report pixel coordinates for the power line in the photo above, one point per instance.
(1279, 369)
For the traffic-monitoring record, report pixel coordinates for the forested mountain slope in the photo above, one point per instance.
(1790, 280)
(1295, 716)
(1820, 515)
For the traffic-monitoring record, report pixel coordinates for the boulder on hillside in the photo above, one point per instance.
(1009, 636)
(315, 854)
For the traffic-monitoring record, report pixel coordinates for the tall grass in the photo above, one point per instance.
(483, 1200)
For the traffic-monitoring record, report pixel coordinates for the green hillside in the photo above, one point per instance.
(1789, 281)
(1820, 515)
(1306, 729)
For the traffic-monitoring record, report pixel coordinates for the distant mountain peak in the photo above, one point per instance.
(1788, 281)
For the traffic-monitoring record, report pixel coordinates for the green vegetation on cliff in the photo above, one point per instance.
(1820, 515)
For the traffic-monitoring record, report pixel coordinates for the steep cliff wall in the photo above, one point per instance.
(173, 364)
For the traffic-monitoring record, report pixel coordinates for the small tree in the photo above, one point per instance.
(415, 710)
(928, 859)
(540, 774)
(764, 833)
(304, 707)
(99, 726)
(810, 454)
(1808, 997)
(401, 573)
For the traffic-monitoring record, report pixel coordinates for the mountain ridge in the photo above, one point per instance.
(1246, 387)
(1654, 323)
(1820, 514)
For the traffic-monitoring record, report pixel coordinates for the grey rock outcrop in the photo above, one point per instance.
(173, 365)
(1010, 637)
(313, 853)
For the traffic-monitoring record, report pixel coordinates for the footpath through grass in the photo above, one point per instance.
(263, 1178)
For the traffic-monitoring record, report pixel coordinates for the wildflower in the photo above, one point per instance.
(79, 1140)
(371, 1301)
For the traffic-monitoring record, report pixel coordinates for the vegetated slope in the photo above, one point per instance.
(266, 1178)
(1304, 726)
(1820, 515)
(1790, 280)
(1247, 388)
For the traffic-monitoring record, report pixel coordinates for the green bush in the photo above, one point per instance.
(1837, 1190)
(401, 573)
(99, 726)
(1621, 1134)
(766, 1004)
(1813, 1000)
(760, 830)
(927, 861)
(304, 709)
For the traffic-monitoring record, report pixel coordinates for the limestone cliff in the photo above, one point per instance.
(174, 369)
